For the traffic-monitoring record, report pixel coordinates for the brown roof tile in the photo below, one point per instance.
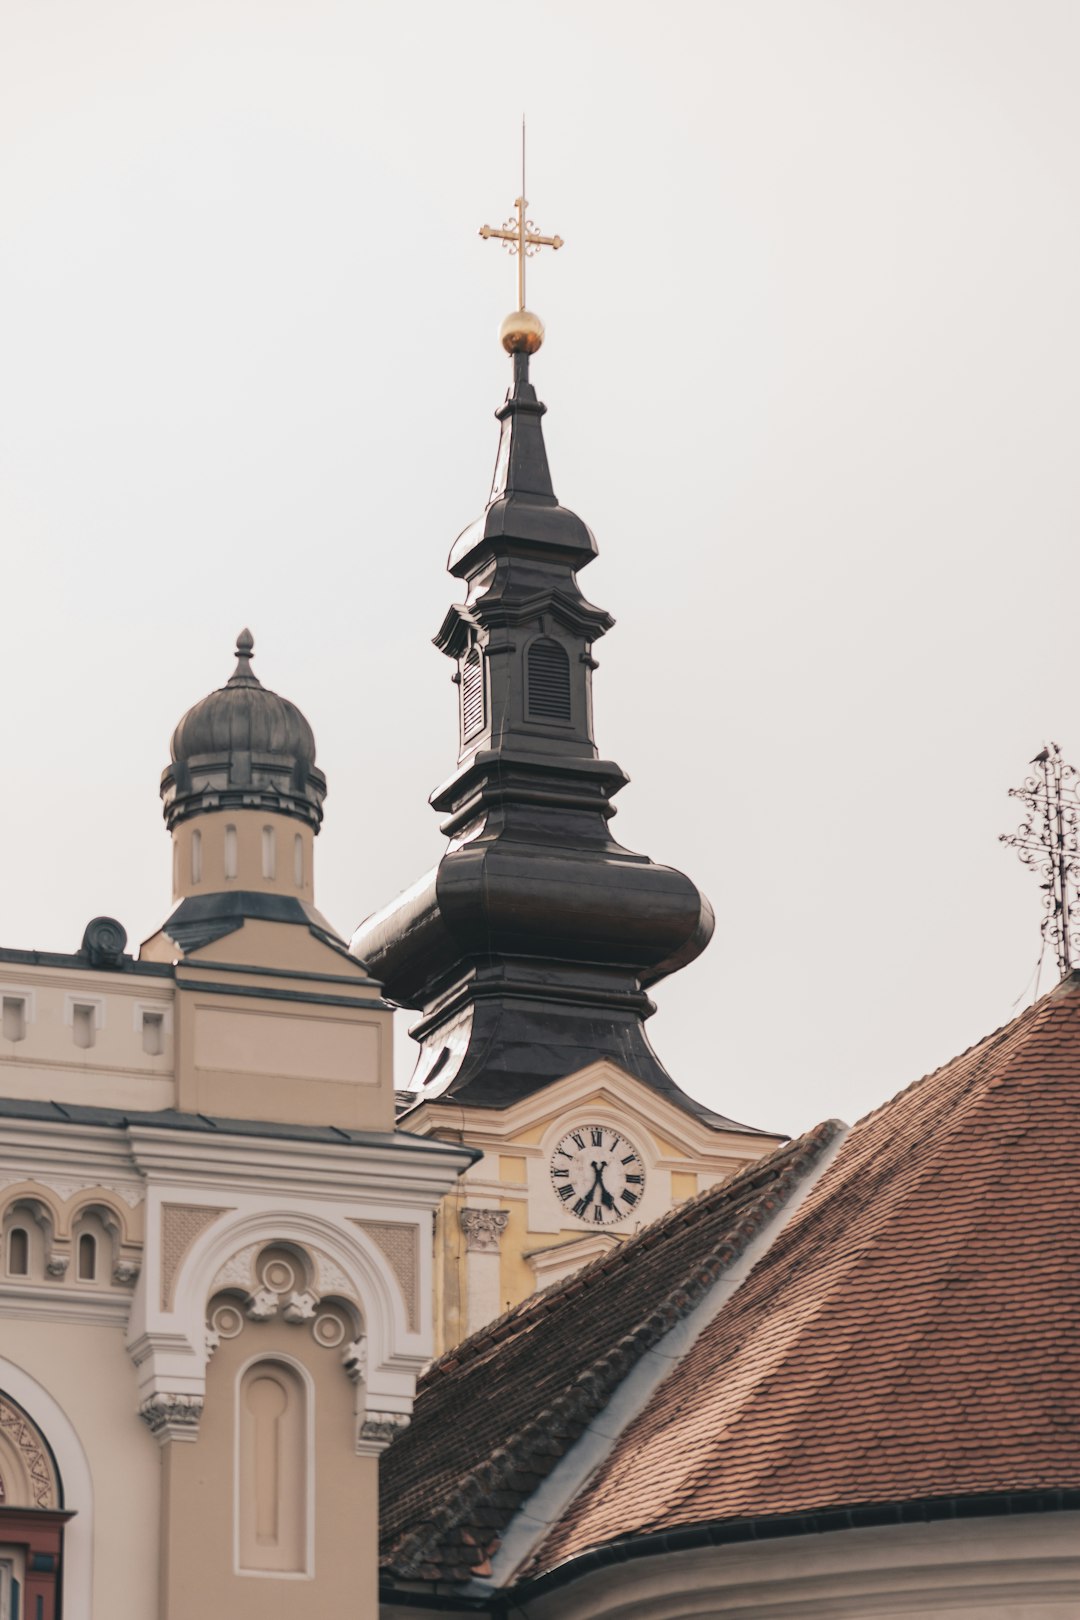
(914, 1332)
(495, 1414)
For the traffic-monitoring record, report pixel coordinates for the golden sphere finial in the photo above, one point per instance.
(522, 332)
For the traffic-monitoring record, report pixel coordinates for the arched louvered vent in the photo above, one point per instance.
(549, 682)
(472, 695)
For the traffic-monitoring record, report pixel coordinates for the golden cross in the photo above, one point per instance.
(522, 238)
(520, 235)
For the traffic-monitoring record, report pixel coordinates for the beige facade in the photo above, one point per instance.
(215, 1248)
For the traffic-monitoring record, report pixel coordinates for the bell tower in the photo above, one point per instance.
(530, 949)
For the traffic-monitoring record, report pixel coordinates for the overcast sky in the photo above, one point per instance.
(813, 378)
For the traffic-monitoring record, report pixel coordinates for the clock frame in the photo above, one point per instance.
(597, 1175)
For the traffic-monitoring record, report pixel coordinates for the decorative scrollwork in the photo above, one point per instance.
(1048, 843)
(104, 941)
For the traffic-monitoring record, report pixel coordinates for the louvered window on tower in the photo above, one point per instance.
(472, 695)
(549, 682)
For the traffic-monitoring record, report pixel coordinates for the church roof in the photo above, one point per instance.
(493, 1415)
(910, 1338)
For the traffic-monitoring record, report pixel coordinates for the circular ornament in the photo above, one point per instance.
(227, 1321)
(278, 1275)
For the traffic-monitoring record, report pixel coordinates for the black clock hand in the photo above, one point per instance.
(598, 1181)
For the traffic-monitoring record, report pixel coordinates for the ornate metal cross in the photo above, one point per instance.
(520, 234)
(522, 238)
(1048, 841)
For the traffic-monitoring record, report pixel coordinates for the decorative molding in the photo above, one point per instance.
(483, 1229)
(57, 1263)
(125, 1272)
(300, 1307)
(172, 1416)
(66, 1187)
(239, 1270)
(354, 1360)
(399, 1242)
(181, 1224)
(31, 1449)
(377, 1429)
(262, 1304)
(332, 1280)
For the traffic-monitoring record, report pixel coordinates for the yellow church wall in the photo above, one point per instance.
(680, 1154)
(87, 1371)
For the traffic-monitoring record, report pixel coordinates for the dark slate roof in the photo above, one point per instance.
(912, 1336)
(200, 919)
(35, 1111)
(495, 1414)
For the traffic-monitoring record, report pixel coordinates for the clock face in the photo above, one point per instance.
(597, 1175)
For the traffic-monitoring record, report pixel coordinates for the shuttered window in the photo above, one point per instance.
(549, 682)
(472, 695)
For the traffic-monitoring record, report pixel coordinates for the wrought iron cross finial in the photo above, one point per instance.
(520, 234)
(1048, 841)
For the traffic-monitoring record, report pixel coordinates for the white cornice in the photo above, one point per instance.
(274, 1164)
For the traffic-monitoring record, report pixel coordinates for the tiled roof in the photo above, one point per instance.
(914, 1331)
(494, 1415)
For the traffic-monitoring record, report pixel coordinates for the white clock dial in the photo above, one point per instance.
(597, 1175)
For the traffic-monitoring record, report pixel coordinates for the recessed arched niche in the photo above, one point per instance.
(273, 1467)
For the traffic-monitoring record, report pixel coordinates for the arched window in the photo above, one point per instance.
(196, 857)
(27, 1239)
(269, 853)
(548, 682)
(97, 1237)
(272, 1469)
(230, 852)
(18, 1257)
(472, 694)
(87, 1258)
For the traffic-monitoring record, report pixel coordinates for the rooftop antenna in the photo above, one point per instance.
(1048, 841)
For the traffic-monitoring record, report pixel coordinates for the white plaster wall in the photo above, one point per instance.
(1025, 1567)
(87, 1372)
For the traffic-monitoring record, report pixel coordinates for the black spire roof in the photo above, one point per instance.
(243, 747)
(530, 947)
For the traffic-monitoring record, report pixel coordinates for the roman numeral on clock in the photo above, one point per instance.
(630, 1197)
(565, 1193)
(576, 1136)
(636, 1179)
(581, 1206)
(597, 1136)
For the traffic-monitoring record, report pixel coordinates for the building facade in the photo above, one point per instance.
(216, 1273)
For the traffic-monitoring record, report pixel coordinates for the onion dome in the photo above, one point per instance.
(243, 747)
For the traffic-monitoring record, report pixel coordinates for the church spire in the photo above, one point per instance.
(530, 948)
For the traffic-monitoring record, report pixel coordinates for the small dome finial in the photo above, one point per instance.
(243, 674)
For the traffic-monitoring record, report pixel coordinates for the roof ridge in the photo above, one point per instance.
(990, 1040)
(543, 1301)
(533, 1450)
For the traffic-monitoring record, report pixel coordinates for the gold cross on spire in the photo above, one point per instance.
(523, 239)
(520, 234)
